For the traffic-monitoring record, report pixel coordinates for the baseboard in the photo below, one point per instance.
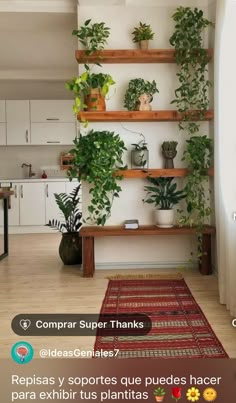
(146, 265)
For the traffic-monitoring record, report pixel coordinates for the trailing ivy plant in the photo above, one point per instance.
(137, 87)
(97, 157)
(192, 59)
(92, 36)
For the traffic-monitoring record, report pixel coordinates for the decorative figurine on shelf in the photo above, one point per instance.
(144, 102)
(169, 153)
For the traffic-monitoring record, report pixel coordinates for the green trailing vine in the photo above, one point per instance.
(97, 157)
(192, 100)
(192, 59)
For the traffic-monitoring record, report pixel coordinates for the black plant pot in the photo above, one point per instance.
(70, 248)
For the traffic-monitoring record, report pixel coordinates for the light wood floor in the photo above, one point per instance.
(33, 280)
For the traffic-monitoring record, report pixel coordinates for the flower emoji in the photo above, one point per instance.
(193, 394)
(176, 393)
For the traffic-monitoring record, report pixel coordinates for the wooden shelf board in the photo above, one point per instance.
(137, 116)
(117, 230)
(130, 56)
(143, 173)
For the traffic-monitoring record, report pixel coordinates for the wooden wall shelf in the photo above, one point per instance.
(137, 116)
(130, 56)
(167, 173)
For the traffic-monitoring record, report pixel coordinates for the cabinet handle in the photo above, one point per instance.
(47, 190)
(21, 191)
(53, 142)
(15, 191)
(53, 119)
(27, 135)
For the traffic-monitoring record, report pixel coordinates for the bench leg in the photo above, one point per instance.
(206, 264)
(88, 256)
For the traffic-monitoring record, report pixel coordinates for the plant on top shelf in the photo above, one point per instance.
(70, 249)
(97, 158)
(192, 59)
(90, 90)
(142, 34)
(164, 195)
(137, 88)
(140, 154)
(92, 36)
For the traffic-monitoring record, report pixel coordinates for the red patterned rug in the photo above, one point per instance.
(179, 327)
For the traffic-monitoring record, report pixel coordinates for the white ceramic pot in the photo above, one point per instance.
(164, 218)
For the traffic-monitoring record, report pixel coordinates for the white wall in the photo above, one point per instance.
(153, 251)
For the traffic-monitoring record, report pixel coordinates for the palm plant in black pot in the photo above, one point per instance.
(70, 248)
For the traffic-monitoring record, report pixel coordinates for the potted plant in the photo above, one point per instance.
(138, 87)
(70, 248)
(142, 34)
(169, 153)
(164, 195)
(159, 394)
(140, 154)
(92, 36)
(90, 90)
(97, 157)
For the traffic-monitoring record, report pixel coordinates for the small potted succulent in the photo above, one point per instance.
(142, 34)
(92, 36)
(90, 90)
(164, 195)
(159, 394)
(140, 154)
(169, 153)
(139, 94)
(70, 248)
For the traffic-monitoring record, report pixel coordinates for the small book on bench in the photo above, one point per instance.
(131, 224)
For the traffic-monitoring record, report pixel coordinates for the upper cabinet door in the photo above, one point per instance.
(18, 122)
(58, 111)
(3, 139)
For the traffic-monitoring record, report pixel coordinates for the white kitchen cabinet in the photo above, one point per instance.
(14, 210)
(53, 133)
(52, 210)
(32, 203)
(3, 132)
(18, 122)
(52, 111)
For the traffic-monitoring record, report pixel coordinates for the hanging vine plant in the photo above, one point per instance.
(191, 57)
(192, 100)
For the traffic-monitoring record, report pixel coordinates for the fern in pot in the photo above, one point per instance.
(164, 195)
(70, 248)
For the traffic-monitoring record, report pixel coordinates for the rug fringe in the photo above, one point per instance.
(174, 276)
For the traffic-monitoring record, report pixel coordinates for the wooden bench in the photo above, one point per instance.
(89, 233)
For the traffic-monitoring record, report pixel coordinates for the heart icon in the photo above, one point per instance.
(25, 324)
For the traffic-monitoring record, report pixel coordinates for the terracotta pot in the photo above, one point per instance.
(159, 398)
(95, 101)
(144, 44)
(70, 249)
(164, 218)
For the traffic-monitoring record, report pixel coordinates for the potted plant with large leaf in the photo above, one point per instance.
(92, 36)
(139, 94)
(90, 90)
(164, 195)
(97, 157)
(70, 248)
(142, 34)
